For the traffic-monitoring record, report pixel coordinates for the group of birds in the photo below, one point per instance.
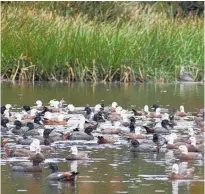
(38, 128)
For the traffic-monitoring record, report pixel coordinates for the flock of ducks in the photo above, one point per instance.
(38, 128)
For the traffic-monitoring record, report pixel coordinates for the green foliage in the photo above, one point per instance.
(41, 43)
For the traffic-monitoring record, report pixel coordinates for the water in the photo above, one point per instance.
(112, 168)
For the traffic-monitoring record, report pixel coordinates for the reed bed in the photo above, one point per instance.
(38, 44)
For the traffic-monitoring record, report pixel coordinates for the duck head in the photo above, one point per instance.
(53, 167)
(70, 107)
(155, 138)
(88, 130)
(18, 116)
(60, 117)
(101, 140)
(164, 123)
(158, 111)
(183, 149)
(102, 104)
(51, 103)
(114, 105)
(17, 124)
(97, 108)
(171, 117)
(88, 110)
(165, 116)
(47, 132)
(4, 121)
(193, 141)
(181, 108)
(56, 104)
(35, 146)
(26, 108)
(169, 139)
(33, 112)
(146, 109)
(191, 131)
(175, 168)
(39, 103)
(135, 143)
(47, 116)
(74, 150)
(38, 120)
(137, 130)
(155, 106)
(30, 125)
(8, 106)
(132, 119)
(3, 108)
(118, 110)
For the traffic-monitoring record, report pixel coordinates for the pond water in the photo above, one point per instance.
(112, 168)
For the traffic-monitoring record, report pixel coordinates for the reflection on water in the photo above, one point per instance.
(127, 95)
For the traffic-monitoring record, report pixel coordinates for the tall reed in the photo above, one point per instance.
(38, 44)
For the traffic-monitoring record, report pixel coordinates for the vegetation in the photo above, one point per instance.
(113, 41)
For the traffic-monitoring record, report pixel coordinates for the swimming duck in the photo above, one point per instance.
(176, 175)
(60, 176)
(181, 113)
(81, 136)
(36, 159)
(158, 129)
(103, 140)
(155, 114)
(137, 147)
(76, 155)
(185, 155)
(185, 76)
(49, 121)
(170, 142)
(38, 122)
(18, 130)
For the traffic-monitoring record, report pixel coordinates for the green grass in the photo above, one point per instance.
(38, 44)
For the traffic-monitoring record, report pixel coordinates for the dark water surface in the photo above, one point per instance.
(112, 168)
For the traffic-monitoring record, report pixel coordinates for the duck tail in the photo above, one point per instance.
(134, 111)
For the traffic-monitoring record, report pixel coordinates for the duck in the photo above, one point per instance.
(181, 113)
(115, 129)
(162, 110)
(31, 115)
(60, 176)
(80, 136)
(185, 155)
(192, 147)
(158, 129)
(103, 140)
(39, 105)
(137, 147)
(185, 76)
(36, 159)
(155, 114)
(38, 122)
(76, 155)
(19, 129)
(31, 131)
(23, 152)
(49, 121)
(176, 175)
(98, 117)
(170, 142)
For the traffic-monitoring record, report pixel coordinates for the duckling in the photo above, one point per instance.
(60, 176)
(185, 76)
(181, 113)
(76, 155)
(185, 155)
(176, 175)
(137, 147)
